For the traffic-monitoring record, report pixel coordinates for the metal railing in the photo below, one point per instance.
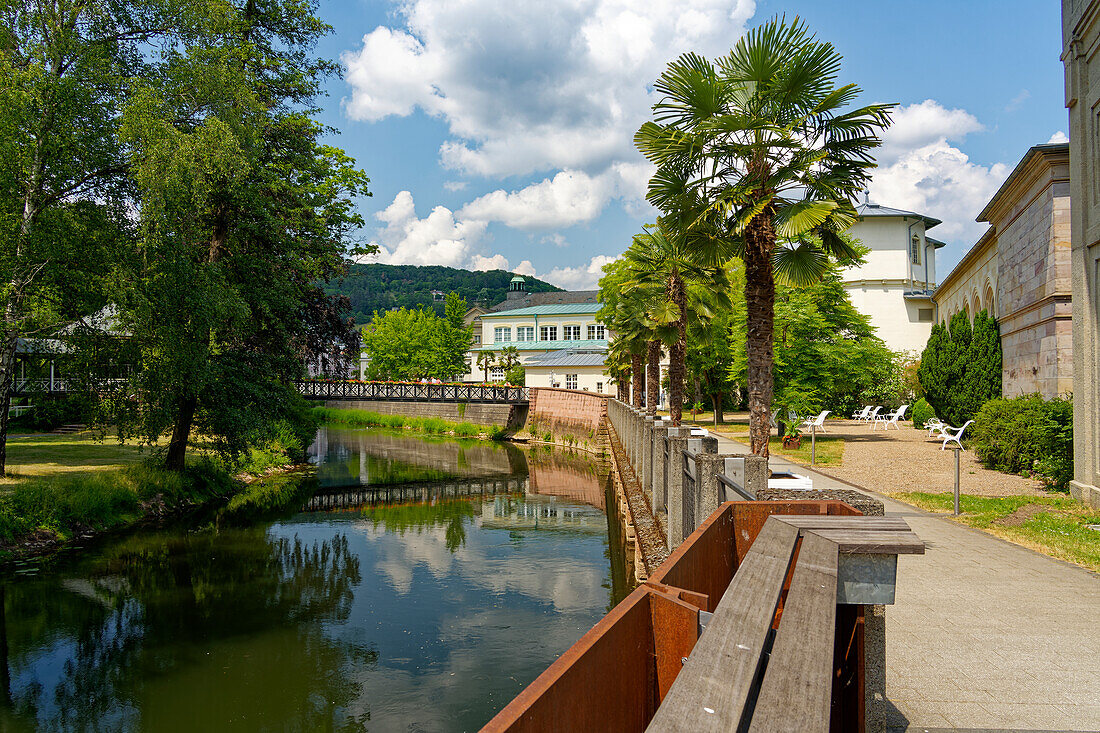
(408, 392)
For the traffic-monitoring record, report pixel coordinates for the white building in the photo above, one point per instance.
(560, 344)
(895, 285)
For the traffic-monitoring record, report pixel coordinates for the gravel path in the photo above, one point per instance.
(908, 460)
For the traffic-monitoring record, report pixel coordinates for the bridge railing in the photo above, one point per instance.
(409, 392)
(61, 385)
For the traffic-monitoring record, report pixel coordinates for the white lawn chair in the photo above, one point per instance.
(891, 419)
(872, 416)
(774, 419)
(862, 414)
(950, 434)
(816, 423)
(933, 425)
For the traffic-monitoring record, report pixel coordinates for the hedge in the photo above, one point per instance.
(960, 368)
(1027, 435)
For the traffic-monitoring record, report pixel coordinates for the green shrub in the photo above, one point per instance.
(1027, 435)
(548, 437)
(960, 368)
(922, 413)
(497, 433)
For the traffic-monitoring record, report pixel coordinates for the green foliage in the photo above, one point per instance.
(516, 375)
(376, 287)
(1027, 435)
(69, 505)
(823, 345)
(417, 344)
(922, 413)
(960, 367)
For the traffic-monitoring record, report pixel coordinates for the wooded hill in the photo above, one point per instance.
(382, 287)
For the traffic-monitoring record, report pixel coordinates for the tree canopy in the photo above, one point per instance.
(409, 345)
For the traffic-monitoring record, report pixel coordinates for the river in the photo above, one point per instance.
(411, 584)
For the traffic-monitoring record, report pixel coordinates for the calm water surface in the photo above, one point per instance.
(411, 601)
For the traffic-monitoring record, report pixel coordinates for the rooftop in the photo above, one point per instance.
(867, 209)
(560, 344)
(524, 300)
(568, 359)
(556, 309)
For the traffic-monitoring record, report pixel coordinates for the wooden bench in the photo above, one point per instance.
(765, 663)
(782, 650)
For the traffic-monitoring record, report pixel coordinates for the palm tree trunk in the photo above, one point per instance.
(760, 309)
(653, 378)
(677, 365)
(637, 375)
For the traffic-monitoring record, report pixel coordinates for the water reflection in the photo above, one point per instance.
(426, 614)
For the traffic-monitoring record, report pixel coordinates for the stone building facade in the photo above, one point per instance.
(1081, 56)
(1019, 272)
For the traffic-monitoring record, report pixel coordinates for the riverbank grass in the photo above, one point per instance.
(77, 453)
(429, 425)
(60, 507)
(1054, 525)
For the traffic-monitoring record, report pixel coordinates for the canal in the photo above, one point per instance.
(408, 583)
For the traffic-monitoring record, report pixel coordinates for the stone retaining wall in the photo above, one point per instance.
(479, 413)
(567, 411)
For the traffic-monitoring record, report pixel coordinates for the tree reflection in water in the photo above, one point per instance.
(452, 515)
(145, 611)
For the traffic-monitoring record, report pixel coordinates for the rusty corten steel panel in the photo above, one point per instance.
(749, 518)
(675, 631)
(608, 680)
(703, 564)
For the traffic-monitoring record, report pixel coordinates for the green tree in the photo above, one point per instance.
(65, 72)
(960, 368)
(485, 361)
(758, 150)
(823, 346)
(415, 344)
(242, 211)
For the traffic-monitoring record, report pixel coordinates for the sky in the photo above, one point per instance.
(499, 134)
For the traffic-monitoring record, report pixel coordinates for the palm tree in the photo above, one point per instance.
(509, 357)
(757, 150)
(485, 360)
(665, 257)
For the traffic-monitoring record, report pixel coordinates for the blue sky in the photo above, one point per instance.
(498, 134)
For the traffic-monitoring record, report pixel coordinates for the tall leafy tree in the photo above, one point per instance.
(65, 71)
(960, 368)
(242, 210)
(416, 344)
(758, 149)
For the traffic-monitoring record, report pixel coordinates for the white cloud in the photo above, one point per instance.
(555, 239)
(455, 185)
(924, 123)
(1058, 137)
(1018, 101)
(570, 197)
(525, 268)
(438, 239)
(496, 262)
(584, 277)
(920, 170)
(529, 86)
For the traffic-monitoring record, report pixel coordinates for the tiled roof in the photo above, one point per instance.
(560, 309)
(578, 344)
(869, 209)
(568, 359)
(557, 297)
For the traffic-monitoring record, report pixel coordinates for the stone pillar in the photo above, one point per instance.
(757, 474)
(708, 494)
(674, 485)
(658, 498)
(647, 457)
(1080, 35)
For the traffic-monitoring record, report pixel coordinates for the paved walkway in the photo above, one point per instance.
(985, 635)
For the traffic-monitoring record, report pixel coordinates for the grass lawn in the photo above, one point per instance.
(830, 450)
(1053, 525)
(47, 454)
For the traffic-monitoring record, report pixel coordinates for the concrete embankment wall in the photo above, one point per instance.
(567, 412)
(479, 413)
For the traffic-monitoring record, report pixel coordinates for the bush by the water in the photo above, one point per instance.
(430, 425)
(1027, 435)
(66, 505)
(922, 413)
